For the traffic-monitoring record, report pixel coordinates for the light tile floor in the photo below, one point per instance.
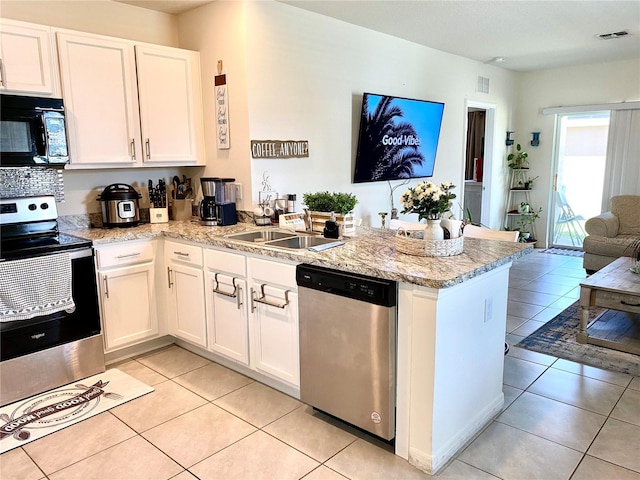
(562, 420)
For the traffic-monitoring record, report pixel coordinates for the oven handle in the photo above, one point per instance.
(79, 253)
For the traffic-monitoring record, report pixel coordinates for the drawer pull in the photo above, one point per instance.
(128, 255)
(216, 287)
(181, 254)
(262, 299)
(630, 304)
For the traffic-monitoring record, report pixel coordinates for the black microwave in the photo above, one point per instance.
(33, 131)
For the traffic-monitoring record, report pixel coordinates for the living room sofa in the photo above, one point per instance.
(610, 233)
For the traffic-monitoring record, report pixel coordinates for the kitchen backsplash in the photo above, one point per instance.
(30, 181)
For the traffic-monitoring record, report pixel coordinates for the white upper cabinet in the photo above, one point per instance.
(26, 59)
(170, 104)
(101, 98)
(130, 104)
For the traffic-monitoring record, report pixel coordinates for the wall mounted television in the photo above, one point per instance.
(398, 138)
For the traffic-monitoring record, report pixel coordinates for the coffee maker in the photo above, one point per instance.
(218, 208)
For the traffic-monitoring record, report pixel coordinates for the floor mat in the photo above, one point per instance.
(563, 251)
(37, 416)
(557, 338)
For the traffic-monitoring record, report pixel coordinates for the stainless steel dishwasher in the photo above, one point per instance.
(348, 347)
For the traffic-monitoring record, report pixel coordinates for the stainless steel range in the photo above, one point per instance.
(49, 318)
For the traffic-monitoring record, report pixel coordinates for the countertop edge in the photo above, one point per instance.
(358, 255)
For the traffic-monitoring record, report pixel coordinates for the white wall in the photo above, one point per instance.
(307, 74)
(297, 75)
(217, 31)
(578, 85)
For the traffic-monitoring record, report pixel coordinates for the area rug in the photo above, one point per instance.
(40, 415)
(557, 337)
(564, 251)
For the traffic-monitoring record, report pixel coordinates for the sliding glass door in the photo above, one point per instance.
(580, 161)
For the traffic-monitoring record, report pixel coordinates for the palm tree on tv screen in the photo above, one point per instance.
(387, 161)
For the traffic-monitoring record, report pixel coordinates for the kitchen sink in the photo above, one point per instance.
(282, 239)
(300, 242)
(260, 236)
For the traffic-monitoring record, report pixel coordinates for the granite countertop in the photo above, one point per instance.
(371, 251)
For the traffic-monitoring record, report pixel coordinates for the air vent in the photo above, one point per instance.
(483, 85)
(609, 36)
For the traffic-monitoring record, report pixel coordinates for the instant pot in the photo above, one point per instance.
(120, 206)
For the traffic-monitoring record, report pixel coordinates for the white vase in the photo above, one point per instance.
(452, 225)
(433, 230)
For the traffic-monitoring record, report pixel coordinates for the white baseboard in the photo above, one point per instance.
(432, 463)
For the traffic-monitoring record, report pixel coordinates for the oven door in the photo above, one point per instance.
(23, 337)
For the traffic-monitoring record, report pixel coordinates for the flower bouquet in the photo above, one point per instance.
(428, 200)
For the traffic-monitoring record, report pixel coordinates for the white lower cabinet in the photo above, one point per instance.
(226, 304)
(274, 319)
(185, 299)
(126, 280)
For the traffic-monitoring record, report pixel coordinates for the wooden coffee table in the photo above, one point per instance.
(614, 287)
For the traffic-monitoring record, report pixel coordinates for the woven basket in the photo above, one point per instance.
(413, 243)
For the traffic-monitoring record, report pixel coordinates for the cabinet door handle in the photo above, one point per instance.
(2, 84)
(169, 276)
(147, 146)
(216, 287)
(262, 299)
(239, 297)
(132, 145)
(105, 280)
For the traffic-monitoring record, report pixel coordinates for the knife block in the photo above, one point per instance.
(159, 215)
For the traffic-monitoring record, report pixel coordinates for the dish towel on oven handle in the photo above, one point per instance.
(34, 287)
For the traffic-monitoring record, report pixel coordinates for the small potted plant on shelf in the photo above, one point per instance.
(524, 208)
(528, 183)
(525, 224)
(519, 159)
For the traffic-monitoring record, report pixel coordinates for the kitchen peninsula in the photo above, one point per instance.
(451, 324)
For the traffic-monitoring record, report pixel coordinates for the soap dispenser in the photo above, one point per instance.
(331, 228)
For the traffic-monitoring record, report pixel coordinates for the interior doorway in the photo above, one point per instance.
(480, 134)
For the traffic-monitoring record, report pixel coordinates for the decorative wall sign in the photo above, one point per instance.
(222, 108)
(279, 148)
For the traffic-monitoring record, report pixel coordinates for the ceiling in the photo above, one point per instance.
(526, 34)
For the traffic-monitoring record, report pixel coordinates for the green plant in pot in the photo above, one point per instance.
(518, 159)
(338, 202)
(525, 223)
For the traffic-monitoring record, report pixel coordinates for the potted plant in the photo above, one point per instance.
(339, 202)
(524, 208)
(528, 183)
(525, 223)
(324, 205)
(518, 159)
